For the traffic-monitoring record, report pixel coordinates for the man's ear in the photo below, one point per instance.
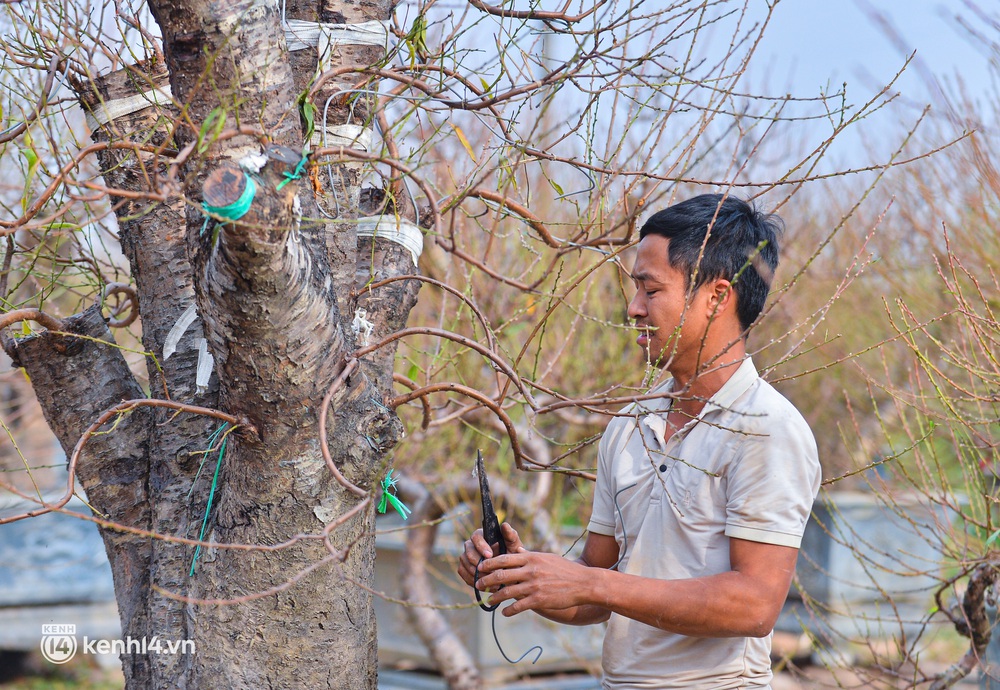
(721, 296)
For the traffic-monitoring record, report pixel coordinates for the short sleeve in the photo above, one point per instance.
(602, 517)
(773, 481)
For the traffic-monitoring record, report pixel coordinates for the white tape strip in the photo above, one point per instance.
(300, 35)
(398, 230)
(103, 113)
(206, 365)
(177, 330)
(348, 136)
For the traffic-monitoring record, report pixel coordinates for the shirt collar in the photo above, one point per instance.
(738, 384)
(653, 411)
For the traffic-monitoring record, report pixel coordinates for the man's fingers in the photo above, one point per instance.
(501, 571)
(481, 545)
(468, 561)
(514, 608)
(512, 538)
(471, 556)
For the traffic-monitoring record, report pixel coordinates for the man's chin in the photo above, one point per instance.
(649, 359)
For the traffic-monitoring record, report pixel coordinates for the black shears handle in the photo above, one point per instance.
(491, 526)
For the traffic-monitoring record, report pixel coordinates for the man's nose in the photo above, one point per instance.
(636, 307)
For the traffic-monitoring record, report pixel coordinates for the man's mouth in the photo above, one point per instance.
(645, 332)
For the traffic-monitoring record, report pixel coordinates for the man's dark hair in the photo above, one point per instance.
(742, 246)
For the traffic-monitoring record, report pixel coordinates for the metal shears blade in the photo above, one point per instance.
(491, 525)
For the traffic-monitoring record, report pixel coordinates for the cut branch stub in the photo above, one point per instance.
(230, 193)
(225, 187)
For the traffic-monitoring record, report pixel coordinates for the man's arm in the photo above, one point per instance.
(744, 602)
(599, 552)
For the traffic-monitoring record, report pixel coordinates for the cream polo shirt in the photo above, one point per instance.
(746, 468)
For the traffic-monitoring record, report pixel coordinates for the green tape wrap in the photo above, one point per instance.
(235, 210)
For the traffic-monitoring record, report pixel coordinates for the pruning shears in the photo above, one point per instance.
(491, 525)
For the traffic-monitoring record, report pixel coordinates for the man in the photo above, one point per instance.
(702, 493)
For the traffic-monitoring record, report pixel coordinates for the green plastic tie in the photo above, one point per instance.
(233, 211)
(389, 495)
(211, 493)
(294, 174)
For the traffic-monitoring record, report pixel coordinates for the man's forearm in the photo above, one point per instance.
(744, 602)
(724, 605)
(578, 615)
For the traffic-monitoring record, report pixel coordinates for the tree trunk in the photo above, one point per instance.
(274, 294)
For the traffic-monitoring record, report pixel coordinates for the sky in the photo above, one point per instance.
(813, 43)
(841, 39)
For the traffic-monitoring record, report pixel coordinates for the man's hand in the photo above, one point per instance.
(476, 549)
(537, 581)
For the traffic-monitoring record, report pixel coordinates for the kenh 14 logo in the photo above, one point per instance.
(58, 642)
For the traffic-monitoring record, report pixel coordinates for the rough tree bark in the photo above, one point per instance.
(275, 298)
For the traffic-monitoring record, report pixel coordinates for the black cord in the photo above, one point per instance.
(479, 600)
(622, 518)
(493, 624)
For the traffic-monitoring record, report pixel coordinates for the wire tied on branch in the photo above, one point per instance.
(292, 174)
(389, 496)
(221, 431)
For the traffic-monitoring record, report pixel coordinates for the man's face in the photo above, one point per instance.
(672, 323)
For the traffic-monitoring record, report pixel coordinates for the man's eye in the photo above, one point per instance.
(650, 293)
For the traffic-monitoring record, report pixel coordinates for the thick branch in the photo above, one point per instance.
(229, 58)
(76, 379)
(974, 623)
(271, 321)
(151, 232)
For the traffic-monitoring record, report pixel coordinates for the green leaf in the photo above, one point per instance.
(309, 111)
(486, 85)
(417, 35)
(555, 186)
(32, 158)
(413, 372)
(416, 38)
(213, 124)
(992, 539)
